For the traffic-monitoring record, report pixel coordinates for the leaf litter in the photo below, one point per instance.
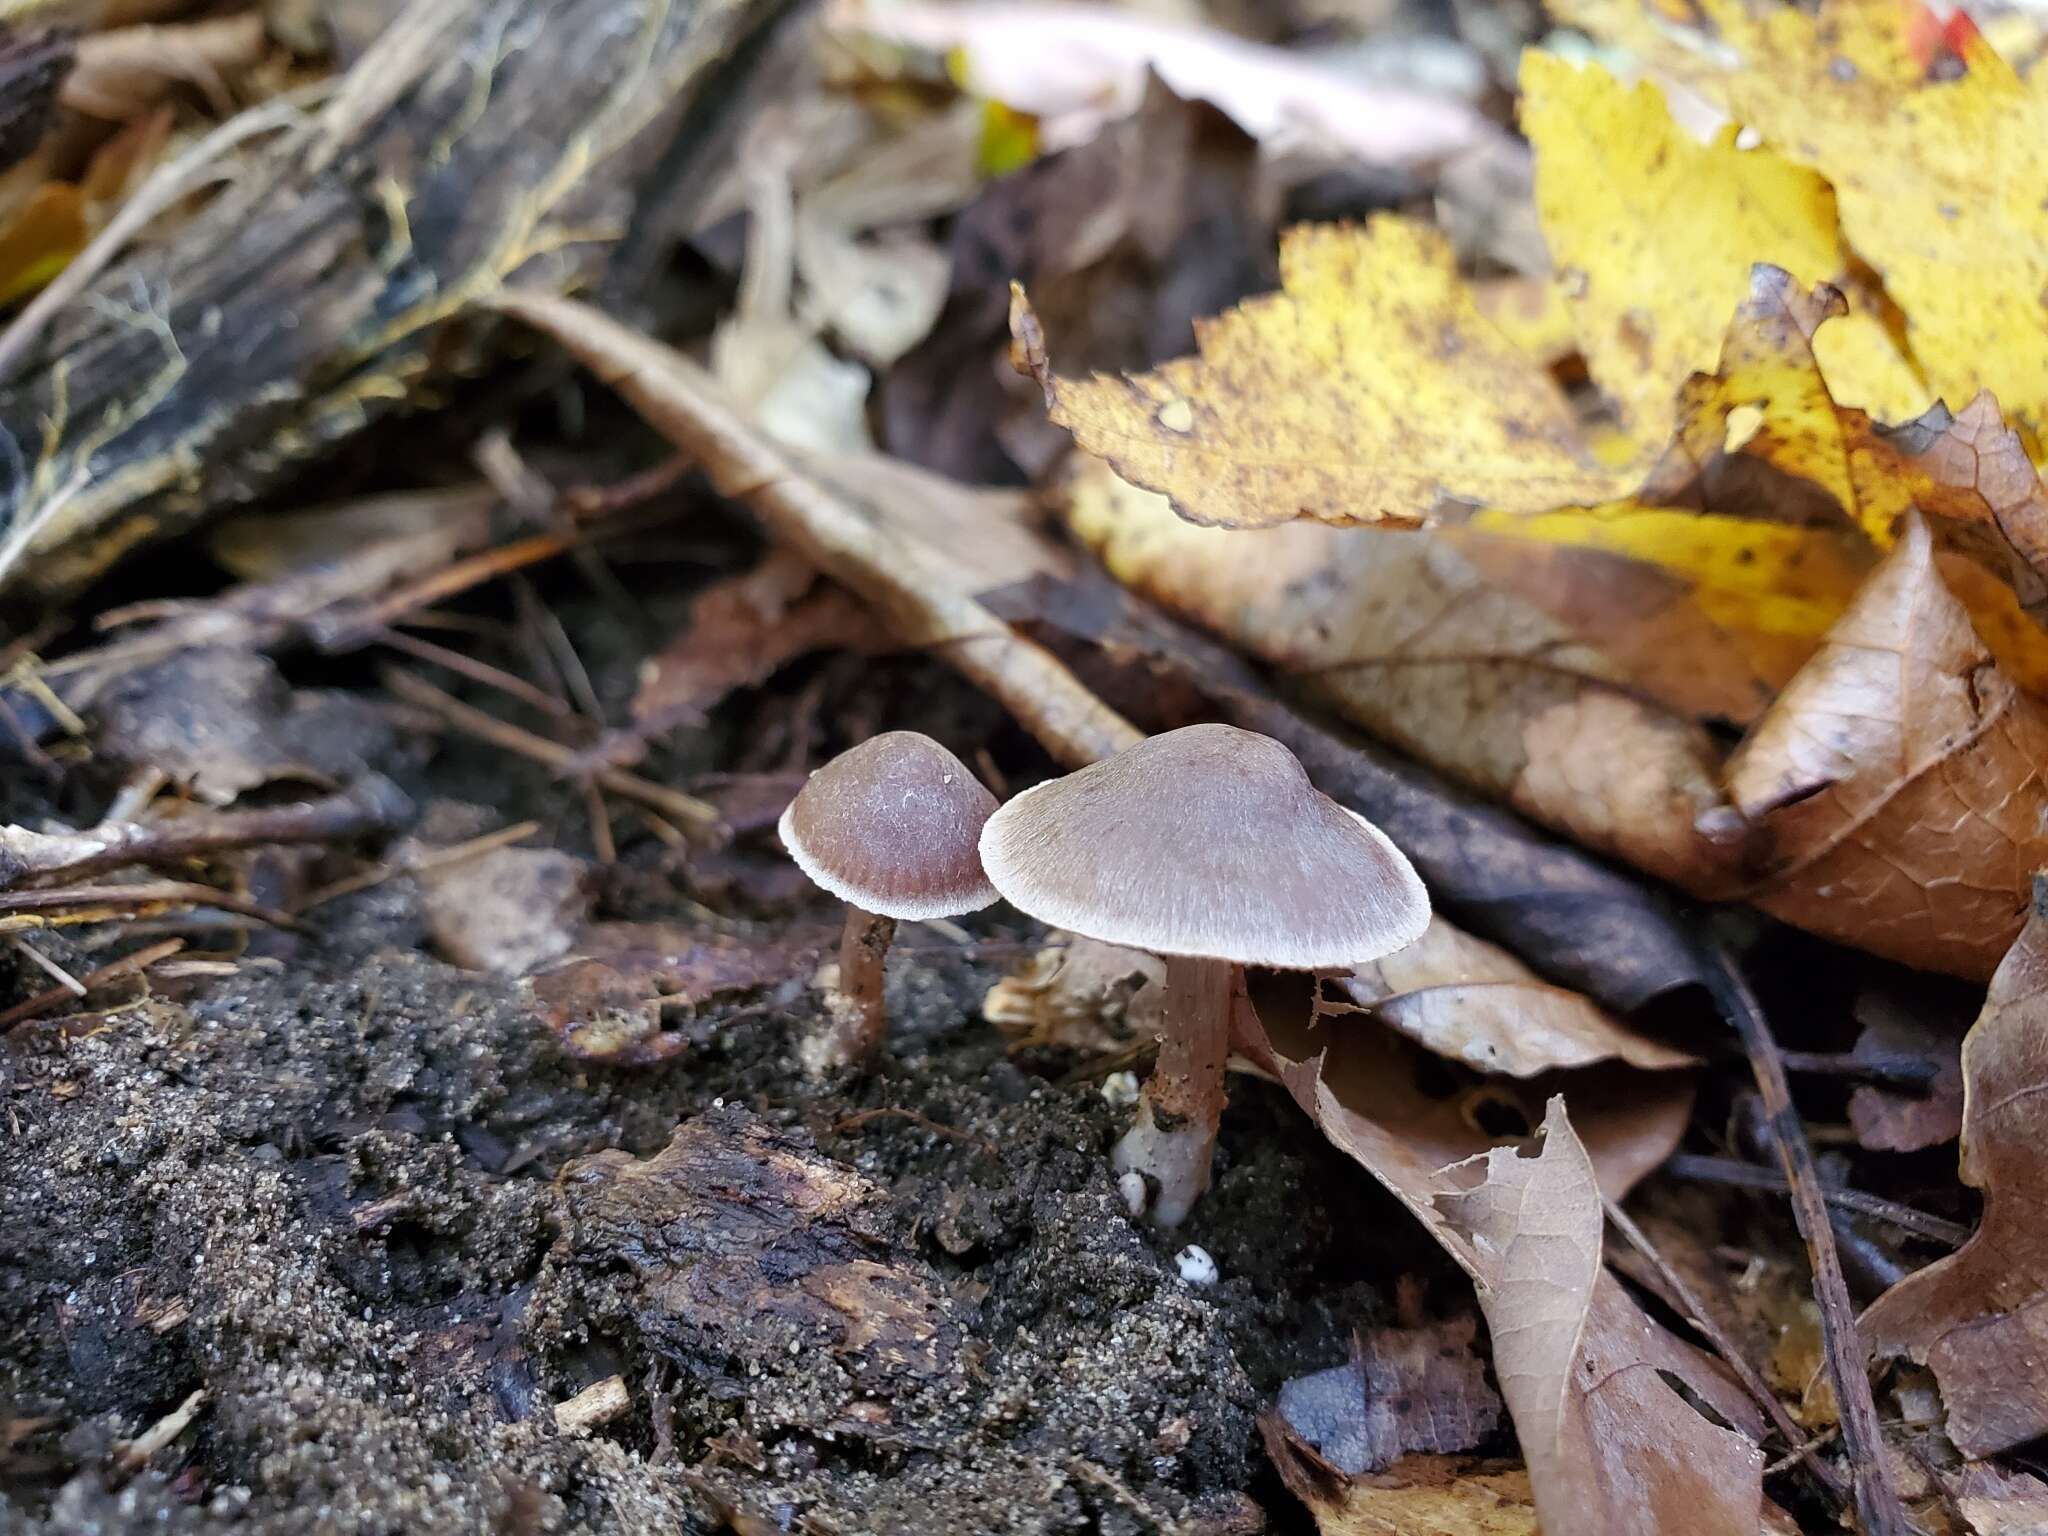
(1713, 549)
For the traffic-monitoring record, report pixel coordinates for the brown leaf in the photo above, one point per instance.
(1611, 1447)
(507, 911)
(1402, 634)
(1403, 1390)
(1998, 1502)
(633, 993)
(1419, 1496)
(1474, 1002)
(1080, 994)
(741, 631)
(1916, 1031)
(1898, 780)
(1976, 1316)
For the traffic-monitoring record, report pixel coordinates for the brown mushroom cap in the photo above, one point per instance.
(892, 826)
(1206, 841)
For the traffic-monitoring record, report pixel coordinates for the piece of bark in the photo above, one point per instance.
(477, 143)
(32, 65)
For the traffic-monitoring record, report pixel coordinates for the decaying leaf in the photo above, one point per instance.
(1419, 1496)
(222, 721)
(507, 911)
(1653, 235)
(1611, 1447)
(1973, 1314)
(634, 994)
(1080, 994)
(1369, 390)
(1920, 1032)
(1404, 1390)
(1998, 1502)
(1474, 1002)
(749, 1249)
(1899, 781)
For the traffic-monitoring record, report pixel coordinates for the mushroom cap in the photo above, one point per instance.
(1206, 841)
(891, 826)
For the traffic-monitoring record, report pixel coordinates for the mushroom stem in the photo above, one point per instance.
(859, 1020)
(1182, 1104)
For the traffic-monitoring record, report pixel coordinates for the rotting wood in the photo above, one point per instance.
(477, 143)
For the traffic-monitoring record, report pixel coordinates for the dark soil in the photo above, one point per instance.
(328, 1192)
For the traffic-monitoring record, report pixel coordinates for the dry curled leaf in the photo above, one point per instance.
(1369, 390)
(1080, 994)
(1898, 780)
(1474, 1002)
(1612, 1448)
(509, 910)
(1976, 1314)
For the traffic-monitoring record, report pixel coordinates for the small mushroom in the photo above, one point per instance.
(1209, 847)
(889, 827)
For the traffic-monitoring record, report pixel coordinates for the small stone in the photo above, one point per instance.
(1196, 1267)
(1120, 1089)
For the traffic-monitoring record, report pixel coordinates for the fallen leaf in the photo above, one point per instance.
(635, 994)
(1898, 780)
(1369, 390)
(1934, 177)
(1418, 1496)
(1653, 234)
(122, 72)
(1976, 1316)
(1611, 1447)
(508, 911)
(40, 239)
(32, 65)
(1999, 1502)
(1403, 1390)
(1916, 1031)
(1080, 994)
(1401, 633)
(1473, 1002)
(222, 721)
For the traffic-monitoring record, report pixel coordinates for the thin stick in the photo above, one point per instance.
(1878, 1510)
(672, 803)
(154, 893)
(66, 982)
(1700, 1318)
(1726, 1170)
(127, 965)
(476, 671)
(440, 858)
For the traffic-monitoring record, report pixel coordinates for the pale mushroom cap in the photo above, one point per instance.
(892, 826)
(1206, 841)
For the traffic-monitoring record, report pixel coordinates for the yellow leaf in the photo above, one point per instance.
(1939, 183)
(1369, 390)
(1653, 235)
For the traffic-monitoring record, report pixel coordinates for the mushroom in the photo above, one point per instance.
(1209, 847)
(889, 827)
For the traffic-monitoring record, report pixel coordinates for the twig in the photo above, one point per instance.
(66, 982)
(156, 894)
(1726, 1170)
(855, 1121)
(1878, 1510)
(672, 803)
(127, 965)
(374, 805)
(1736, 1361)
(476, 671)
(1909, 1075)
(130, 1456)
(439, 858)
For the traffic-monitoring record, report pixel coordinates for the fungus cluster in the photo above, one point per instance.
(1206, 846)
